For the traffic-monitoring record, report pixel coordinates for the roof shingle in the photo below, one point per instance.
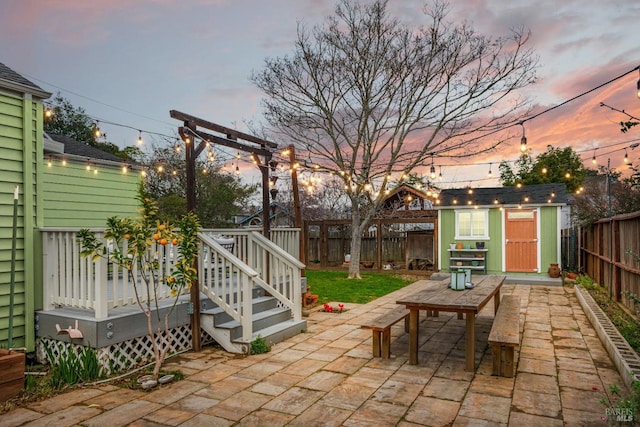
(540, 194)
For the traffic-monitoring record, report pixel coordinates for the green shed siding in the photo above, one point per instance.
(549, 218)
(76, 197)
(20, 153)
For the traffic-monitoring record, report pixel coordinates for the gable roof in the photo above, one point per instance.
(540, 194)
(404, 189)
(9, 79)
(80, 149)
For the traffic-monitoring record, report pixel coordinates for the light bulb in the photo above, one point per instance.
(523, 144)
(523, 140)
(140, 138)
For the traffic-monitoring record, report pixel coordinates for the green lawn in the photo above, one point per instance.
(333, 286)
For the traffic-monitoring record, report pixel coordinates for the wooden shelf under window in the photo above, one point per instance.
(466, 257)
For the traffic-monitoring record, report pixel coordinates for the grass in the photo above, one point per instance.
(333, 286)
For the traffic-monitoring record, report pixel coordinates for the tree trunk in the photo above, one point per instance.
(356, 243)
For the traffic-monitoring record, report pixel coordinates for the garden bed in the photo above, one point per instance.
(623, 355)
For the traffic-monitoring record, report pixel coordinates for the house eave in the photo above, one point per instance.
(18, 88)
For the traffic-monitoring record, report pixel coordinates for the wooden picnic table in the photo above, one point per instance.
(437, 297)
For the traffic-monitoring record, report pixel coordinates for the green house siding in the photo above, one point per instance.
(20, 154)
(76, 197)
(548, 238)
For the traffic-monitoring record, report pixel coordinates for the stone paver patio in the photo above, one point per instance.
(327, 377)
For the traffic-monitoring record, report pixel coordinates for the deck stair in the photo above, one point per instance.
(271, 322)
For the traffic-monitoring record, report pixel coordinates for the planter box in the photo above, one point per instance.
(11, 374)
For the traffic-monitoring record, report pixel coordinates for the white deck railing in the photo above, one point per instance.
(227, 277)
(70, 280)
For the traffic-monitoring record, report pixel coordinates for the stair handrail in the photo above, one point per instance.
(280, 271)
(215, 270)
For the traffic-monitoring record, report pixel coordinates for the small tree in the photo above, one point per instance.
(136, 247)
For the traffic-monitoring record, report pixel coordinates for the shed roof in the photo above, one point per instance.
(14, 81)
(539, 194)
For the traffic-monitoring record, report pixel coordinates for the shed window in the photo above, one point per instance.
(472, 224)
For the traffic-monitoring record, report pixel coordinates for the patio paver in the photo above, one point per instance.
(328, 377)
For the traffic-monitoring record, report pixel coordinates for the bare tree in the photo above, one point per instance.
(367, 97)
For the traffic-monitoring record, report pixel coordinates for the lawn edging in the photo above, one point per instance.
(623, 355)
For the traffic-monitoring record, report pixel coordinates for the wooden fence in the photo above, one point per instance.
(609, 254)
(402, 243)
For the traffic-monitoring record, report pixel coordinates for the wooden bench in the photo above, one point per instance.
(381, 328)
(505, 335)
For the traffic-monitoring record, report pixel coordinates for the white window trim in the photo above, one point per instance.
(486, 224)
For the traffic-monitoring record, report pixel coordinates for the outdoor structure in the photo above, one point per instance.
(407, 198)
(514, 230)
(402, 236)
(251, 285)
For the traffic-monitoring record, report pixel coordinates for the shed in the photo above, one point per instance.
(515, 230)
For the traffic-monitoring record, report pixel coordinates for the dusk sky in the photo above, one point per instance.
(130, 62)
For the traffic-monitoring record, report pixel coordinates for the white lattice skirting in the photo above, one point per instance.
(122, 356)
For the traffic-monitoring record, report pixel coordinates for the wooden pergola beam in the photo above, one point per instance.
(231, 133)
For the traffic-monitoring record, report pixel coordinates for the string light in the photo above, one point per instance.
(440, 175)
(433, 169)
(98, 134)
(139, 137)
(48, 113)
(626, 158)
(490, 173)
(523, 140)
(593, 160)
